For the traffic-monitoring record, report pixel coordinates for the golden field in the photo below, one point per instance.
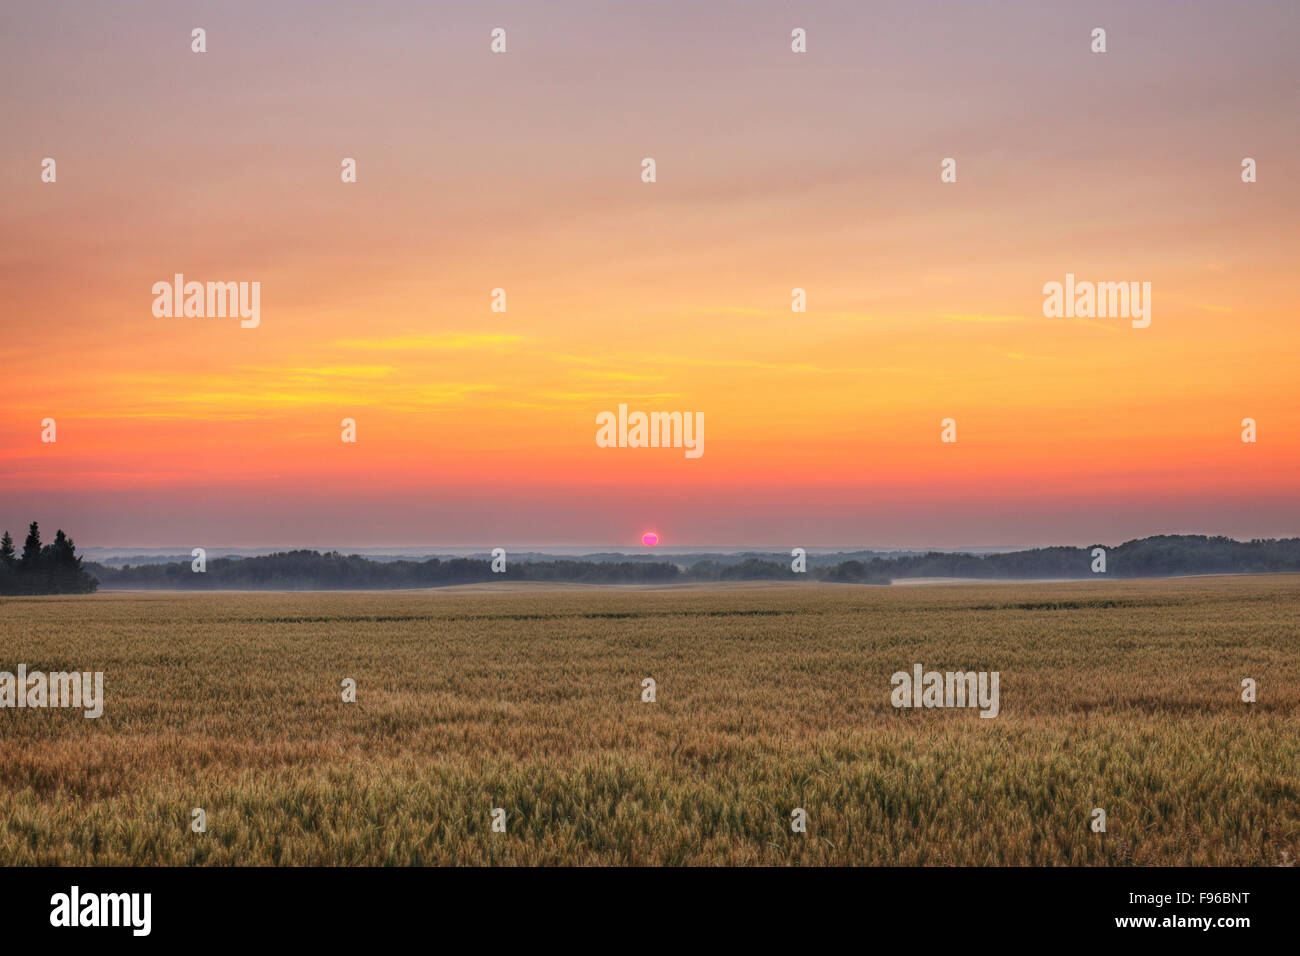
(1115, 694)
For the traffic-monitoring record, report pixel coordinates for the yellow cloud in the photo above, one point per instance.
(981, 317)
(432, 341)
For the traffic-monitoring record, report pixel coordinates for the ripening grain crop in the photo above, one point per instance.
(1118, 694)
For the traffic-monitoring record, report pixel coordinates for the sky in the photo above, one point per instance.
(523, 171)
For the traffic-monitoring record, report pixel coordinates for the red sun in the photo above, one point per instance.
(650, 539)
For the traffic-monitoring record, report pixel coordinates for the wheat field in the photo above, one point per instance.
(1121, 695)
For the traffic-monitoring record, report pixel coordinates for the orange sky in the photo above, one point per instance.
(522, 171)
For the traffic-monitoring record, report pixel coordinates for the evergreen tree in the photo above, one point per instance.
(64, 553)
(52, 569)
(32, 548)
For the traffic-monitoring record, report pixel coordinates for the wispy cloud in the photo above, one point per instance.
(982, 317)
(433, 341)
(620, 376)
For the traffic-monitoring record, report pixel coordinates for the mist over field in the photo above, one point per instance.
(1163, 556)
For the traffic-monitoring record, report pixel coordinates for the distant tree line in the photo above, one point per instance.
(56, 567)
(42, 569)
(760, 569)
(1157, 556)
(331, 570)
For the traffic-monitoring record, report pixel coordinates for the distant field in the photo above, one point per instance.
(1114, 694)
